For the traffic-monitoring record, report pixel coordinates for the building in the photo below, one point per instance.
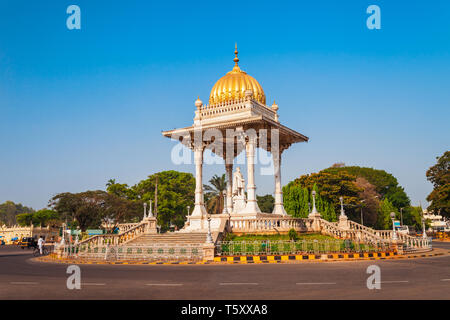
(236, 119)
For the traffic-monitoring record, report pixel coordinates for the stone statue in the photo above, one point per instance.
(238, 191)
(238, 183)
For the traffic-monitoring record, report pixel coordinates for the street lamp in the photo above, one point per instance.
(362, 211)
(394, 234)
(225, 210)
(209, 236)
(145, 210)
(401, 216)
(63, 239)
(424, 231)
(188, 210)
(341, 199)
(150, 213)
(314, 210)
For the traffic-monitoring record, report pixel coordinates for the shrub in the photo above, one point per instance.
(293, 234)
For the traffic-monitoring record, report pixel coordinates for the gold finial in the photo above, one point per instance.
(236, 59)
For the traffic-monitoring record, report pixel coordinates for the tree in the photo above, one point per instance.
(175, 192)
(412, 216)
(384, 221)
(9, 210)
(439, 176)
(214, 194)
(298, 201)
(120, 190)
(85, 207)
(370, 201)
(266, 203)
(24, 219)
(46, 217)
(385, 183)
(330, 187)
(119, 210)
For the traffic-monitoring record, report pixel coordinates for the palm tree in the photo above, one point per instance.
(111, 182)
(214, 193)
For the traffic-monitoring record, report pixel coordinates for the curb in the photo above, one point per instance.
(305, 257)
(258, 259)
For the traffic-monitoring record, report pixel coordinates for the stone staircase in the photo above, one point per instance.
(173, 238)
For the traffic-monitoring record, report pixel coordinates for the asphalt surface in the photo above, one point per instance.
(421, 278)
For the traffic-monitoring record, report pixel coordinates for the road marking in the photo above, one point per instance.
(238, 283)
(313, 283)
(394, 281)
(24, 282)
(92, 284)
(445, 279)
(164, 284)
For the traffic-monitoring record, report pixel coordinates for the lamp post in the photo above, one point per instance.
(145, 210)
(150, 212)
(188, 210)
(341, 199)
(362, 201)
(63, 239)
(225, 210)
(209, 236)
(401, 216)
(424, 231)
(314, 210)
(394, 234)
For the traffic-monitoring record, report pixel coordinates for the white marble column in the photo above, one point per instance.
(199, 209)
(229, 170)
(252, 206)
(278, 207)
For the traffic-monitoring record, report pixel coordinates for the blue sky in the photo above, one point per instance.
(78, 107)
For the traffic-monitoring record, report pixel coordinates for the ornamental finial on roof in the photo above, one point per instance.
(236, 59)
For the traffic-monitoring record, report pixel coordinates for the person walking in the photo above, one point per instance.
(41, 243)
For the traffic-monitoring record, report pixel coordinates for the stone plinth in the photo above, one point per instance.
(151, 225)
(343, 222)
(208, 251)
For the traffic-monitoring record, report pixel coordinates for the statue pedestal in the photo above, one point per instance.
(151, 225)
(343, 222)
(239, 203)
(208, 251)
(200, 224)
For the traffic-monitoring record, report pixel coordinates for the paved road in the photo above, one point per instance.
(425, 278)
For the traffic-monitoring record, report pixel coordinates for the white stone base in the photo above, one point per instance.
(200, 224)
(279, 209)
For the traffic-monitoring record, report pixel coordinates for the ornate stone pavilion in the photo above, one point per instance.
(236, 119)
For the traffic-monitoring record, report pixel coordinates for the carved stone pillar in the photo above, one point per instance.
(229, 170)
(252, 205)
(278, 207)
(199, 209)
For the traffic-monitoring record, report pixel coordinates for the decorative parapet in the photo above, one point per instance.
(351, 230)
(123, 227)
(121, 238)
(150, 252)
(236, 106)
(262, 225)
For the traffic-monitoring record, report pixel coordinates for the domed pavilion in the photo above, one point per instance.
(236, 119)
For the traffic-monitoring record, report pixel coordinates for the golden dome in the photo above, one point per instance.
(233, 85)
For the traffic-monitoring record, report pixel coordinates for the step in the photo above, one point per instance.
(169, 238)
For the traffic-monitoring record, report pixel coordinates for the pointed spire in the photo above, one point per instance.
(236, 59)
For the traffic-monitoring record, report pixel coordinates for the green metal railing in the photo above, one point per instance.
(264, 247)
